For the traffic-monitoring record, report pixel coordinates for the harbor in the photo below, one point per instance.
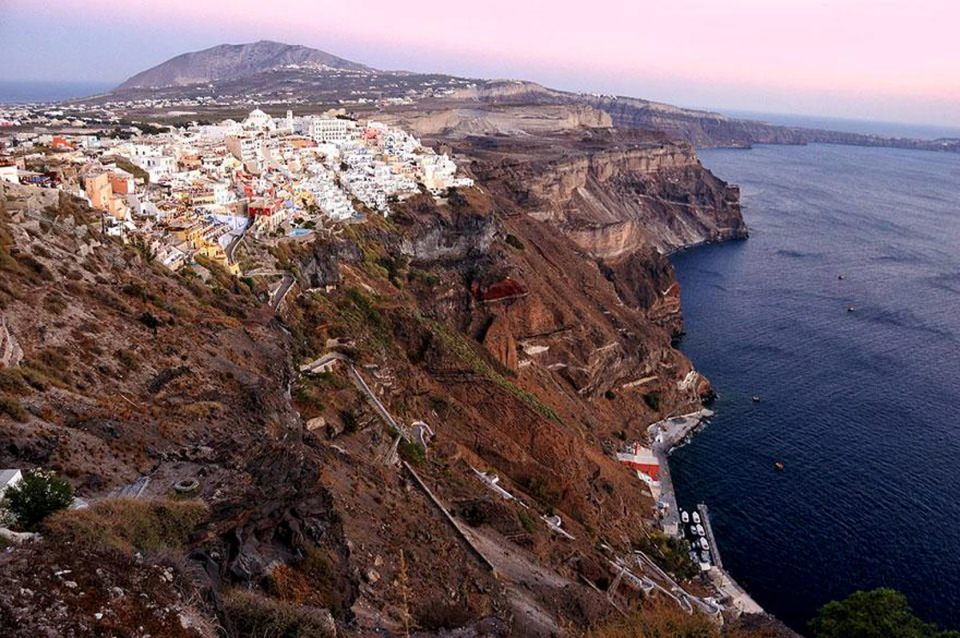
(652, 467)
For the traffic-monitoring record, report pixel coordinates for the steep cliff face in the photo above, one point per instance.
(615, 198)
(463, 121)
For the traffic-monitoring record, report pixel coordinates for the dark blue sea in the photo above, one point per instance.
(21, 92)
(861, 407)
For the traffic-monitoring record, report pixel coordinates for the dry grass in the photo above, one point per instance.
(659, 620)
(127, 524)
(255, 615)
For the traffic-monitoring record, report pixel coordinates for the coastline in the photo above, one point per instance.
(666, 435)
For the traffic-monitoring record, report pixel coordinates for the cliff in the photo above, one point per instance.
(528, 320)
(611, 192)
(700, 128)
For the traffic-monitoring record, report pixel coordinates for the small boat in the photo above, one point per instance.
(840, 276)
(696, 518)
(756, 398)
(684, 517)
(700, 531)
(705, 557)
(703, 544)
(851, 308)
(779, 466)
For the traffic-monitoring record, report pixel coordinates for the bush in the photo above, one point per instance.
(150, 321)
(652, 399)
(526, 521)
(513, 240)
(672, 554)
(12, 408)
(37, 496)
(126, 524)
(256, 615)
(663, 620)
(869, 614)
(412, 453)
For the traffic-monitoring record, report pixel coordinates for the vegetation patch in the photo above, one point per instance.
(868, 614)
(514, 241)
(11, 407)
(652, 399)
(672, 554)
(126, 525)
(256, 615)
(36, 497)
(412, 453)
(470, 354)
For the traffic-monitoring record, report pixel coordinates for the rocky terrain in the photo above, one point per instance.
(529, 321)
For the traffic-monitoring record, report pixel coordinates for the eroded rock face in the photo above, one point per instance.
(613, 202)
(322, 267)
(500, 342)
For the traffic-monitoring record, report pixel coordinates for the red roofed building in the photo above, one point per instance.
(504, 289)
(643, 461)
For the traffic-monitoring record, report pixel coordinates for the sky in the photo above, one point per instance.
(893, 60)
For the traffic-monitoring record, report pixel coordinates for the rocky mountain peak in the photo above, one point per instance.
(234, 61)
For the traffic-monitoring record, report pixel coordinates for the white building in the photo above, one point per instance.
(259, 121)
(248, 150)
(333, 130)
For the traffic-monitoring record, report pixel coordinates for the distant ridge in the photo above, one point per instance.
(232, 62)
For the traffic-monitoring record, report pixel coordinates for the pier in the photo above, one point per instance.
(738, 598)
(714, 549)
(665, 436)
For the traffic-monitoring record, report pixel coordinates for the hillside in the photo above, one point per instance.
(228, 62)
(527, 357)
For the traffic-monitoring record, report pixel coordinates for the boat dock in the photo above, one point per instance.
(665, 435)
(714, 549)
(737, 596)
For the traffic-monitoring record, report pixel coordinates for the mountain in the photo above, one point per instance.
(235, 61)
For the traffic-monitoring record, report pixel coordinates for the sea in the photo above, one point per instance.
(21, 92)
(841, 313)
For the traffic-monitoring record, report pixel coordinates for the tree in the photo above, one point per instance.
(37, 496)
(879, 613)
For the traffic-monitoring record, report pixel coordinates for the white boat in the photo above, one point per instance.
(700, 531)
(696, 518)
(703, 544)
(705, 556)
(684, 517)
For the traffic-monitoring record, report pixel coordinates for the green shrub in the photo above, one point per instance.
(869, 614)
(513, 240)
(672, 554)
(37, 496)
(526, 521)
(652, 399)
(412, 453)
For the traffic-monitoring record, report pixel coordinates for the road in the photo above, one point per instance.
(364, 389)
(685, 599)
(285, 285)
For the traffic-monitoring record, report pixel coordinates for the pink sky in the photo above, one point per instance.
(891, 59)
